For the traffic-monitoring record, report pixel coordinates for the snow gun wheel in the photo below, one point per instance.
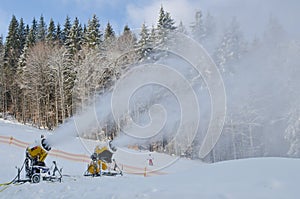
(36, 178)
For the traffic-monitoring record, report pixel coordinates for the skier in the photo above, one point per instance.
(150, 160)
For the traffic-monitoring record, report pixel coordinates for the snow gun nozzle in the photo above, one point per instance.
(45, 144)
(112, 147)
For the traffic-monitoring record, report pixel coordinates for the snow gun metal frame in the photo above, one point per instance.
(36, 173)
(35, 167)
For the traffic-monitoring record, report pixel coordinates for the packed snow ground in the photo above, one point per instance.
(247, 178)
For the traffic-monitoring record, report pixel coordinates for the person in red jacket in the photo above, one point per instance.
(150, 160)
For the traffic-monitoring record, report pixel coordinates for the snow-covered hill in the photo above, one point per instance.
(248, 178)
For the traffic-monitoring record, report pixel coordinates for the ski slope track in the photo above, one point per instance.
(247, 178)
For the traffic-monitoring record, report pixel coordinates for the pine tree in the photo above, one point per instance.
(74, 40)
(29, 42)
(93, 34)
(66, 30)
(126, 29)
(73, 45)
(127, 40)
(169, 22)
(23, 59)
(197, 28)
(58, 36)
(22, 34)
(231, 47)
(27, 29)
(1, 48)
(84, 29)
(181, 28)
(32, 35)
(12, 45)
(11, 55)
(51, 33)
(143, 47)
(152, 36)
(2, 82)
(109, 33)
(165, 21)
(41, 30)
(161, 17)
(165, 25)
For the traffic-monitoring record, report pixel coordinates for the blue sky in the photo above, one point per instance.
(253, 14)
(59, 9)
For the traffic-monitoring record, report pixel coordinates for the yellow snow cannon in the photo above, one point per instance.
(98, 162)
(101, 162)
(35, 167)
(38, 153)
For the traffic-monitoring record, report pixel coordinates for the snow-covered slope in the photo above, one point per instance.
(248, 178)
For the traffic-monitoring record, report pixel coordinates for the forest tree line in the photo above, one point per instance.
(42, 63)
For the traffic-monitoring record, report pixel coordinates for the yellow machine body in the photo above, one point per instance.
(37, 152)
(102, 162)
(99, 150)
(95, 166)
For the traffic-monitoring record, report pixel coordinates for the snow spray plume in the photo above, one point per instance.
(150, 107)
(181, 86)
(91, 116)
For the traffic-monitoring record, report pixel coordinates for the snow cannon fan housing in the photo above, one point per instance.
(104, 153)
(45, 144)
